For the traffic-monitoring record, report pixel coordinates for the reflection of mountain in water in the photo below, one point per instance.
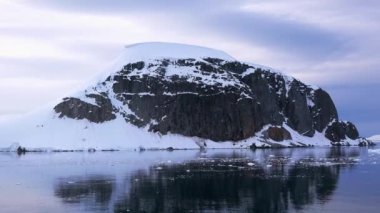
(219, 184)
(91, 191)
(256, 190)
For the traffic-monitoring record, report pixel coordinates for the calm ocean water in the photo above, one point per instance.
(340, 179)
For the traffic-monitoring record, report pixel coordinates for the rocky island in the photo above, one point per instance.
(161, 95)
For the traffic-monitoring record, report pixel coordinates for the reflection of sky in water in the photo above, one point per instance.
(217, 180)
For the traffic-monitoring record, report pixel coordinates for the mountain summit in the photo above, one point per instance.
(160, 95)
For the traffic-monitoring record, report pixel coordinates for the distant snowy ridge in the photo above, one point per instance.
(165, 95)
(374, 138)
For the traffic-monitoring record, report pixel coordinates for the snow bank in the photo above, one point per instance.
(375, 138)
(48, 132)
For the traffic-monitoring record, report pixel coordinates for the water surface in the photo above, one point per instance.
(340, 179)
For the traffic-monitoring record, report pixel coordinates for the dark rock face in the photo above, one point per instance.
(351, 131)
(297, 111)
(323, 111)
(277, 134)
(201, 114)
(335, 132)
(78, 109)
(339, 130)
(209, 98)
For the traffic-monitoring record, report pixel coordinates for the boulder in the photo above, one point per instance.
(78, 109)
(277, 134)
(339, 130)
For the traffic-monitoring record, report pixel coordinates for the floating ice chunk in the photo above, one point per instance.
(374, 151)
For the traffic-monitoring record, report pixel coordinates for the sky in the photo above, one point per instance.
(49, 48)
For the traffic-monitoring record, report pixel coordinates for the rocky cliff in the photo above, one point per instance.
(206, 94)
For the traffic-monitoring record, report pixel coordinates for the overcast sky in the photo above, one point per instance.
(50, 47)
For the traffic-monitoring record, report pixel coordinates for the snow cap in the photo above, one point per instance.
(159, 50)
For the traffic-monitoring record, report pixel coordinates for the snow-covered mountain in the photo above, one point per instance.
(160, 95)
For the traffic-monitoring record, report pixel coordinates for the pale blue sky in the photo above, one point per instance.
(50, 47)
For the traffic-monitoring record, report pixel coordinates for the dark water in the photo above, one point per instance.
(281, 180)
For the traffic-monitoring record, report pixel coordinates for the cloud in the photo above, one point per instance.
(27, 94)
(127, 6)
(301, 40)
(220, 17)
